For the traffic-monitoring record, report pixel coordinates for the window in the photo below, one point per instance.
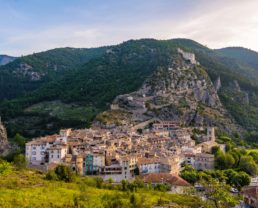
(34, 147)
(42, 152)
(34, 153)
(58, 156)
(33, 158)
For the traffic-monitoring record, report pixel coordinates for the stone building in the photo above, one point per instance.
(250, 195)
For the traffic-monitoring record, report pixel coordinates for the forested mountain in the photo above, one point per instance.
(64, 97)
(4, 59)
(28, 73)
(244, 55)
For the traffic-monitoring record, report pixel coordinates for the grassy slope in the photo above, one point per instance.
(30, 189)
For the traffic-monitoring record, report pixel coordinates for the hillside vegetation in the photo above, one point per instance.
(28, 188)
(109, 72)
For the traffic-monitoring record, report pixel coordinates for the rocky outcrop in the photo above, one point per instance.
(181, 91)
(246, 98)
(4, 145)
(237, 86)
(218, 84)
(27, 70)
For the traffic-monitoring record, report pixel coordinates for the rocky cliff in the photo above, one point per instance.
(180, 91)
(4, 145)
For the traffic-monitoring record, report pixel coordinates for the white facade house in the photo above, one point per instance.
(98, 160)
(47, 149)
(156, 165)
(56, 153)
(35, 151)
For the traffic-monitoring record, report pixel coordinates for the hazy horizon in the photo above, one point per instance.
(35, 26)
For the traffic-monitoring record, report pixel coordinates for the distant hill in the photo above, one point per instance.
(69, 87)
(28, 73)
(244, 55)
(4, 59)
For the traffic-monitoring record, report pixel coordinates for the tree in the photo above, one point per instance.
(237, 179)
(64, 173)
(215, 150)
(219, 194)
(248, 165)
(241, 179)
(254, 155)
(189, 174)
(20, 140)
(230, 161)
(224, 161)
(20, 161)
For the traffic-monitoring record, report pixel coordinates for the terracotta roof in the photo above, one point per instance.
(251, 191)
(43, 140)
(144, 160)
(173, 180)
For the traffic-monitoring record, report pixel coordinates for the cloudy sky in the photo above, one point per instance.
(28, 26)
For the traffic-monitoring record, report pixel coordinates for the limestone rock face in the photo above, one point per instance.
(237, 87)
(218, 84)
(181, 91)
(4, 145)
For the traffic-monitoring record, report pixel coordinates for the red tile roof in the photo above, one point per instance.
(173, 180)
(251, 191)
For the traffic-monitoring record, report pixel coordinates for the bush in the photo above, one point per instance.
(52, 176)
(99, 182)
(62, 173)
(5, 167)
(20, 161)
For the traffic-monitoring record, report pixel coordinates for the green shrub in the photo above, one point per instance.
(5, 168)
(20, 161)
(51, 175)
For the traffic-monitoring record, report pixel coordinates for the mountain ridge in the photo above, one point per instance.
(5, 59)
(123, 69)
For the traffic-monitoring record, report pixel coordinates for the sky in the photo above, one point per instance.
(28, 26)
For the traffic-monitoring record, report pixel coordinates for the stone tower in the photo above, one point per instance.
(211, 134)
(79, 164)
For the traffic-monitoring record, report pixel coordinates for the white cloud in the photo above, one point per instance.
(216, 24)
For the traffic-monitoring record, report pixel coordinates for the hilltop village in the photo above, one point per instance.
(122, 153)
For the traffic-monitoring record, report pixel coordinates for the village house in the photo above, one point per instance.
(158, 165)
(200, 161)
(176, 183)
